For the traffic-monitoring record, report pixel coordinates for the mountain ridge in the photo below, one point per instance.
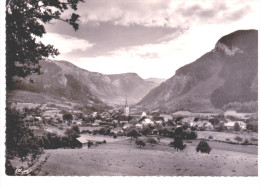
(62, 78)
(220, 76)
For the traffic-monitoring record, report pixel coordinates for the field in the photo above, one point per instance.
(230, 136)
(124, 158)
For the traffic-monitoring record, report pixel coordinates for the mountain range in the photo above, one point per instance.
(63, 79)
(228, 73)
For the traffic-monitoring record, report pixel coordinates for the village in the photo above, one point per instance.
(91, 128)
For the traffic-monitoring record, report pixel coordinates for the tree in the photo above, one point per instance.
(253, 126)
(178, 143)
(25, 21)
(76, 129)
(140, 143)
(67, 116)
(236, 127)
(214, 121)
(133, 133)
(152, 141)
(21, 142)
(146, 131)
(203, 147)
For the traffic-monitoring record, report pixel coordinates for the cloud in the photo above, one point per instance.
(162, 12)
(65, 43)
(154, 39)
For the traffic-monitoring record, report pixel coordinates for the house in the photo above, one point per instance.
(123, 122)
(166, 117)
(38, 118)
(94, 114)
(139, 126)
(208, 126)
(159, 120)
(148, 121)
(77, 122)
(143, 114)
(116, 130)
(229, 124)
(105, 115)
(188, 120)
(82, 141)
(242, 125)
(127, 126)
(96, 122)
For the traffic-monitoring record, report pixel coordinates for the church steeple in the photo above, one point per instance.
(126, 109)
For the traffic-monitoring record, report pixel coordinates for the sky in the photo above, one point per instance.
(152, 38)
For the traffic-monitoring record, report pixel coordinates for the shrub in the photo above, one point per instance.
(236, 127)
(146, 131)
(90, 144)
(95, 132)
(253, 126)
(179, 131)
(203, 147)
(140, 143)
(102, 131)
(210, 137)
(239, 139)
(178, 143)
(115, 136)
(76, 129)
(193, 135)
(254, 139)
(151, 141)
(104, 141)
(133, 133)
(245, 142)
(189, 134)
(67, 116)
(227, 139)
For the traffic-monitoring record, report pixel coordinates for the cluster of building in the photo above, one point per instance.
(122, 120)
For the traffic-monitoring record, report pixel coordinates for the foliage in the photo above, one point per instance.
(253, 126)
(178, 143)
(239, 139)
(146, 131)
(179, 131)
(220, 127)
(71, 134)
(236, 127)
(25, 22)
(151, 141)
(214, 121)
(20, 140)
(67, 116)
(140, 143)
(76, 129)
(245, 107)
(246, 142)
(102, 131)
(203, 147)
(210, 137)
(133, 133)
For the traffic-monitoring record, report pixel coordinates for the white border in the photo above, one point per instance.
(102, 182)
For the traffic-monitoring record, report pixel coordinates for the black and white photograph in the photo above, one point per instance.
(130, 88)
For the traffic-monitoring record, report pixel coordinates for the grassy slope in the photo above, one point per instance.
(123, 158)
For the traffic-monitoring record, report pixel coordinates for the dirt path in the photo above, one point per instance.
(123, 158)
